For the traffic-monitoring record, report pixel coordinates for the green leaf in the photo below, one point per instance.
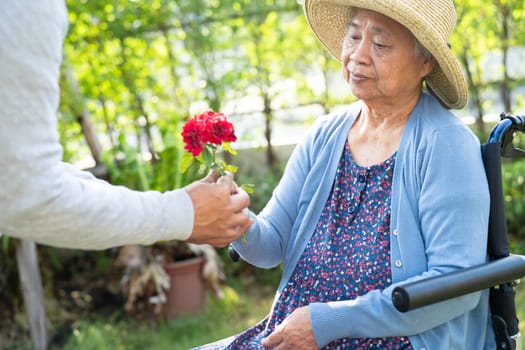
(226, 146)
(231, 168)
(249, 188)
(208, 155)
(185, 162)
(5, 243)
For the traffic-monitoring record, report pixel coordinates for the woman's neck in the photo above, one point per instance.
(388, 115)
(377, 132)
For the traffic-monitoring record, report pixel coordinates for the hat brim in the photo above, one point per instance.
(329, 20)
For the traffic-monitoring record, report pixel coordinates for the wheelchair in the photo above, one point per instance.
(503, 269)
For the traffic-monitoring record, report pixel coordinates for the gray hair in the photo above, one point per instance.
(419, 49)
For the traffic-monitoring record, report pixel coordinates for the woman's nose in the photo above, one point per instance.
(360, 52)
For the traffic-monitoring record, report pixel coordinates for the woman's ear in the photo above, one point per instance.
(428, 66)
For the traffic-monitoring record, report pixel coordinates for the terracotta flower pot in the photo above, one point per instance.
(187, 290)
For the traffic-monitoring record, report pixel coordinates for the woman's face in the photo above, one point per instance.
(379, 60)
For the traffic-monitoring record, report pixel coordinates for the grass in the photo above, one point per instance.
(520, 308)
(220, 319)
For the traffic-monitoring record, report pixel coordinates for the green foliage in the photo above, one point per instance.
(9, 287)
(132, 168)
(484, 36)
(513, 174)
(234, 313)
(138, 64)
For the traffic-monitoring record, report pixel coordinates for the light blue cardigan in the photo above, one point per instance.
(440, 208)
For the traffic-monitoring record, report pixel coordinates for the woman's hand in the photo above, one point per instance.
(294, 333)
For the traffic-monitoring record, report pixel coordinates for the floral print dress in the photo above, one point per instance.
(347, 256)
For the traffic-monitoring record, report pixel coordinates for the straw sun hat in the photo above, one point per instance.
(430, 21)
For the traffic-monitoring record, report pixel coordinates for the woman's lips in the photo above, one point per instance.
(357, 77)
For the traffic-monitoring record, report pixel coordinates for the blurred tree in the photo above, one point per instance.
(487, 30)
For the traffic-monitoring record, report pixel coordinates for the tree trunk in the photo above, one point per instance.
(271, 157)
(83, 116)
(506, 17)
(91, 136)
(474, 93)
(33, 292)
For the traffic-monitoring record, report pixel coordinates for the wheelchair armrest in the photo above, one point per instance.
(412, 295)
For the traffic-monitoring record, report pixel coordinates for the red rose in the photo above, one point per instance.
(219, 129)
(192, 136)
(203, 135)
(207, 128)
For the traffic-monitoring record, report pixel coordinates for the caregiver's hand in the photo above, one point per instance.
(220, 210)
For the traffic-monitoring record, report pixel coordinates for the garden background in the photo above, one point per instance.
(135, 70)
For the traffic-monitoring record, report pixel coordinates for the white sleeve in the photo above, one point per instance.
(42, 198)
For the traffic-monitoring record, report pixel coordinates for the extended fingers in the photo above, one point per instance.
(247, 225)
(227, 236)
(212, 177)
(239, 200)
(225, 180)
(240, 219)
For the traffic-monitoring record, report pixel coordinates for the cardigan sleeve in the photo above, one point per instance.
(42, 198)
(269, 237)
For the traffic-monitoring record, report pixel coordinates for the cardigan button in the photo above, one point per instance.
(395, 232)
(398, 263)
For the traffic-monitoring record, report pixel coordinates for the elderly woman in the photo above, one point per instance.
(390, 190)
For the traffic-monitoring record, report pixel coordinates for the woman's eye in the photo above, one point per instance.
(352, 40)
(380, 46)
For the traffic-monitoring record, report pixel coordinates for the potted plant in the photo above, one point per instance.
(169, 279)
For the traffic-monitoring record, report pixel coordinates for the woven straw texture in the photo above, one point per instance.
(431, 22)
